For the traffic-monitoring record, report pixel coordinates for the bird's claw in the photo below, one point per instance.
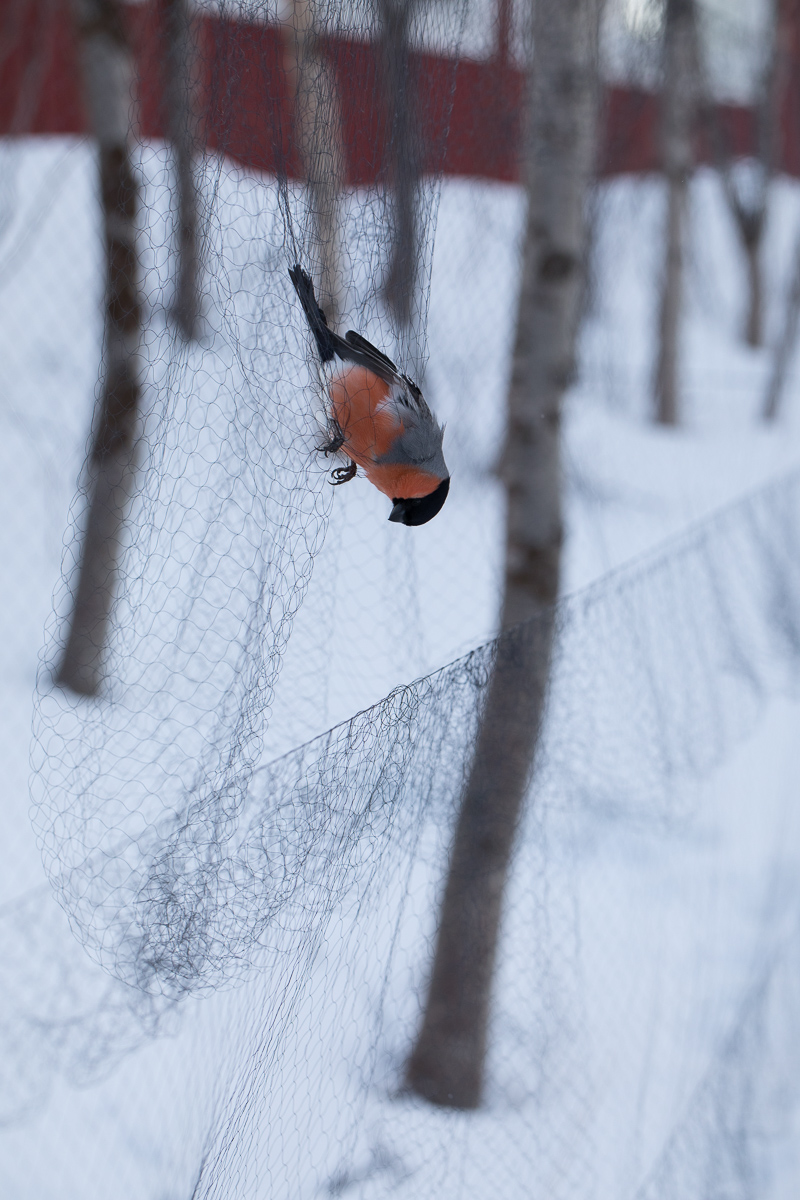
(343, 474)
(334, 443)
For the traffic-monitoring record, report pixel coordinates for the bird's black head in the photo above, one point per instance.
(421, 509)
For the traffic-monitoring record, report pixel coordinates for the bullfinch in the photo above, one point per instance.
(378, 419)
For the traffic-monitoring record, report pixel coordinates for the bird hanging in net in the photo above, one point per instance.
(378, 419)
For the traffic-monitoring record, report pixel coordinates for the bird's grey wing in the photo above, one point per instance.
(357, 349)
(419, 445)
(414, 400)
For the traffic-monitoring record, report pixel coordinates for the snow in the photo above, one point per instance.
(631, 485)
(638, 998)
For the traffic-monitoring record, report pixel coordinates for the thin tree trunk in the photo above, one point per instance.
(108, 73)
(750, 221)
(786, 344)
(787, 40)
(447, 1064)
(404, 164)
(671, 304)
(755, 302)
(505, 21)
(750, 211)
(677, 122)
(180, 74)
(318, 129)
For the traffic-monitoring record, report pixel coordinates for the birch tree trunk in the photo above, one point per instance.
(786, 344)
(108, 77)
(318, 130)
(787, 54)
(505, 16)
(678, 112)
(751, 218)
(748, 206)
(447, 1063)
(754, 325)
(179, 96)
(404, 156)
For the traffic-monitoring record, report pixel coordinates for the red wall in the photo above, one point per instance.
(470, 111)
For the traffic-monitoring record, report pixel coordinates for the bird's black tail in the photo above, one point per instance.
(314, 315)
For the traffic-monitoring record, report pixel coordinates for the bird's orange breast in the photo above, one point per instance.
(361, 406)
(358, 403)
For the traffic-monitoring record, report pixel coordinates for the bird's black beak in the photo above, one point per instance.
(418, 510)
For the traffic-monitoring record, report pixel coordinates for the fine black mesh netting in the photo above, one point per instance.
(631, 1040)
(215, 989)
(230, 507)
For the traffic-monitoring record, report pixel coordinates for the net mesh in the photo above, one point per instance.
(668, 1021)
(222, 532)
(259, 918)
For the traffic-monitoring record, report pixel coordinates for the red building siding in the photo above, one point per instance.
(470, 111)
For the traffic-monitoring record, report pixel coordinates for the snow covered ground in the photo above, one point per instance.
(638, 1001)
(420, 600)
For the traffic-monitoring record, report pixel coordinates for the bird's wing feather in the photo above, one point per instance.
(415, 400)
(419, 444)
(370, 356)
(353, 347)
(317, 321)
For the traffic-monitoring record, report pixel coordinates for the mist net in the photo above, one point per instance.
(247, 875)
(141, 788)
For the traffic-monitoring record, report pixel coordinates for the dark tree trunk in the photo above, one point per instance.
(678, 113)
(504, 31)
(180, 74)
(447, 1064)
(749, 210)
(404, 157)
(108, 73)
(786, 344)
(755, 303)
(667, 407)
(787, 37)
(318, 130)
